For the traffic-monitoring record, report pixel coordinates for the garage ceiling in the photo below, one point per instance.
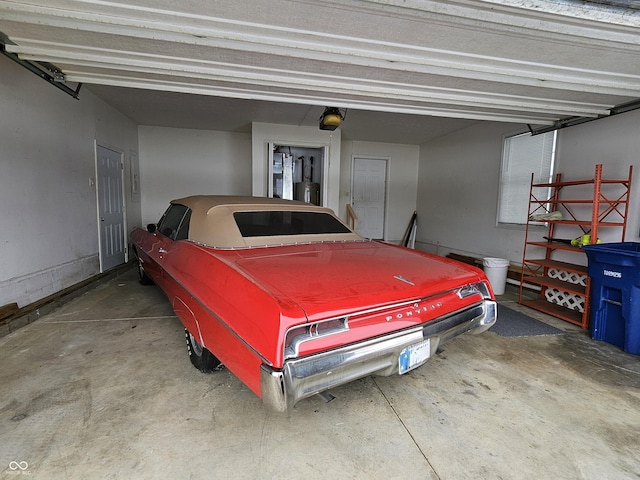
(406, 70)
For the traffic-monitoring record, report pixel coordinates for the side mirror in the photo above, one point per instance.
(151, 228)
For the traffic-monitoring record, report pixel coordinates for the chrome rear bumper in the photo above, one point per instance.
(303, 377)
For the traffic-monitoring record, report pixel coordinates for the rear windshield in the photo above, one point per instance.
(270, 223)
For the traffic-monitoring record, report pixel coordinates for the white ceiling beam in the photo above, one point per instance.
(549, 17)
(545, 18)
(209, 70)
(324, 46)
(318, 100)
(524, 50)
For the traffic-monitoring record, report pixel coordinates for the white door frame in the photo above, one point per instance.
(124, 204)
(387, 160)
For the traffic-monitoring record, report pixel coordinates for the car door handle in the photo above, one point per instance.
(162, 250)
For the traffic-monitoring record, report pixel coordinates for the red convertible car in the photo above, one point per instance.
(293, 302)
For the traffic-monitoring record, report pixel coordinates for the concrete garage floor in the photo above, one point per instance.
(102, 388)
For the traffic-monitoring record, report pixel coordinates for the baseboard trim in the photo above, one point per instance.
(30, 313)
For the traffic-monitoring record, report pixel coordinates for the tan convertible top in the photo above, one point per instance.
(212, 221)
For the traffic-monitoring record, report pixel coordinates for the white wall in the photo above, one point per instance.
(458, 194)
(459, 175)
(402, 181)
(615, 143)
(48, 208)
(180, 162)
(176, 163)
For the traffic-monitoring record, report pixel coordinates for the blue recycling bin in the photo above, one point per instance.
(614, 269)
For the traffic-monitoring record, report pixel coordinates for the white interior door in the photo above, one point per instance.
(110, 191)
(368, 195)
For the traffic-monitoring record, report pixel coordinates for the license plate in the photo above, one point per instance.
(414, 355)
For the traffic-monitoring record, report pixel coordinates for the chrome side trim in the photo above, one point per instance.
(303, 377)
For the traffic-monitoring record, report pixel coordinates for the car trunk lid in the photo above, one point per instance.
(326, 279)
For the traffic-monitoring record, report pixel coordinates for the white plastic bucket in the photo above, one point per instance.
(496, 271)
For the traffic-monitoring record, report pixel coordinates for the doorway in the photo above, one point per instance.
(110, 195)
(369, 186)
(297, 173)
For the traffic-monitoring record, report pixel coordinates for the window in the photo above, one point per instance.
(523, 155)
(268, 223)
(183, 231)
(170, 221)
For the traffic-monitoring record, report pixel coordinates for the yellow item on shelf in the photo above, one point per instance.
(583, 240)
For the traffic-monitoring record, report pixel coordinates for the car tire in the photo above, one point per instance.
(200, 357)
(143, 278)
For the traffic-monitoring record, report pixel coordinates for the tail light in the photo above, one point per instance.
(303, 333)
(479, 288)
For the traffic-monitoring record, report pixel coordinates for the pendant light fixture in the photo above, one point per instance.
(331, 118)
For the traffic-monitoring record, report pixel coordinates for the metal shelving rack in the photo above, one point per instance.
(564, 285)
